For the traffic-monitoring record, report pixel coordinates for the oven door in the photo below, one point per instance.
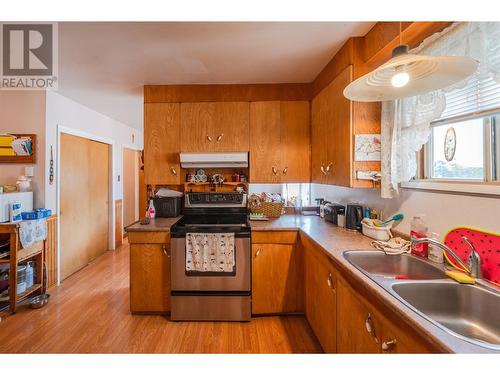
(182, 281)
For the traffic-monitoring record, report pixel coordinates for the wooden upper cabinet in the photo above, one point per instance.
(231, 127)
(265, 138)
(161, 143)
(215, 127)
(279, 142)
(197, 125)
(332, 133)
(295, 142)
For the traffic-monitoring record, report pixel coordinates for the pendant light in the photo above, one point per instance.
(406, 74)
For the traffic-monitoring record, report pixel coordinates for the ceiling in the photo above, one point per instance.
(105, 65)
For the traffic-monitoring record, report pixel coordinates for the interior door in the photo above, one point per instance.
(84, 202)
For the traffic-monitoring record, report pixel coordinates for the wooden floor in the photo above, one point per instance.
(89, 313)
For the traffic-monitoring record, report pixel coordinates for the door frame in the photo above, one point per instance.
(111, 194)
(136, 182)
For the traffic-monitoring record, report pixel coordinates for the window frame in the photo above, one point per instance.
(488, 186)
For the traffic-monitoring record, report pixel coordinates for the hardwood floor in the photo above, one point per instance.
(89, 313)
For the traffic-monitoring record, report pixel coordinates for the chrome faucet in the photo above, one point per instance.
(474, 266)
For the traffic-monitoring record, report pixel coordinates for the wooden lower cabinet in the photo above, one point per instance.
(150, 273)
(363, 329)
(321, 298)
(277, 273)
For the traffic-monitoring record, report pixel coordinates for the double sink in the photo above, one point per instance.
(468, 312)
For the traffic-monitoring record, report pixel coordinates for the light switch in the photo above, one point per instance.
(29, 171)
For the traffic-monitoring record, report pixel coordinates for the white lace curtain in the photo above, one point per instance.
(406, 122)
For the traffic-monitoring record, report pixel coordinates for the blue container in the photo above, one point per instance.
(39, 213)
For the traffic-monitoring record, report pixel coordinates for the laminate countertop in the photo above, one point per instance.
(159, 224)
(334, 241)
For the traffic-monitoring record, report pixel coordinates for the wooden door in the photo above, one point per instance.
(265, 142)
(130, 183)
(84, 180)
(295, 142)
(149, 278)
(355, 320)
(197, 124)
(321, 300)
(319, 139)
(340, 129)
(161, 142)
(231, 128)
(274, 278)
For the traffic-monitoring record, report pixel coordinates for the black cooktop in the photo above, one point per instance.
(216, 222)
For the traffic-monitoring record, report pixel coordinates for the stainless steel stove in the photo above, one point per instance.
(216, 296)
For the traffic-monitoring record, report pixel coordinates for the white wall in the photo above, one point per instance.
(68, 114)
(443, 211)
(23, 112)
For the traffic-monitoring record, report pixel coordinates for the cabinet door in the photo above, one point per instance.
(340, 154)
(161, 143)
(396, 340)
(359, 331)
(149, 278)
(265, 143)
(321, 300)
(319, 139)
(295, 142)
(197, 127)
(274, 278)
(230, 131)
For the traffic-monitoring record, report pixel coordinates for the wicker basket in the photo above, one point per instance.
(269, 209)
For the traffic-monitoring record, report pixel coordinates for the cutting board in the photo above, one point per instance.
(487, 245)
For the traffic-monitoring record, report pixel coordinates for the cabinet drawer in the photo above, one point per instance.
(149, 237)
(275, 237)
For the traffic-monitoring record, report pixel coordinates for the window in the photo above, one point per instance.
(297, 195)
(467, 149)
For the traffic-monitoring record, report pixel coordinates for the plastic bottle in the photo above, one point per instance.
(419, 230)
(29, 275)
(151, 210)
(322, 209)
(435, 253)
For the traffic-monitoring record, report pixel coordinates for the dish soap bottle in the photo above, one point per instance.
(435, 253)
(418, 229)
(151, 210)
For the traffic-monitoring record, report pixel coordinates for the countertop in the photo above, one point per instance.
(335, 241)
(159, 224)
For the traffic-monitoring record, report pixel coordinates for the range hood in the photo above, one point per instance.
(214, 160)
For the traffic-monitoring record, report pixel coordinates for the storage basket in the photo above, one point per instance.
(269, 209)
(167, 206)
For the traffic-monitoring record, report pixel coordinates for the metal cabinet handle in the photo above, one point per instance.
(329, 167)
(219, 138)
(369, 327)
(209, 138)
(257, 253)
(174, 172)
(388, 345)
(285, 170)
(329, 281)
(323, 169)
(166, 250)
(275, 170)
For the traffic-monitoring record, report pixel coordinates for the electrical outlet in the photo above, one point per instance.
(29, 171)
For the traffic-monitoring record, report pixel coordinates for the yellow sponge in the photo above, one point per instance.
(461, 277)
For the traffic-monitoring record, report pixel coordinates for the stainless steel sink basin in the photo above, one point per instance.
(467, 311)
(405, 265)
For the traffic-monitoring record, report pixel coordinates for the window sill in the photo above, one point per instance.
(455, 187)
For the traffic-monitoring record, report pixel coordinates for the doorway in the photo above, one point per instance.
(84, 202)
